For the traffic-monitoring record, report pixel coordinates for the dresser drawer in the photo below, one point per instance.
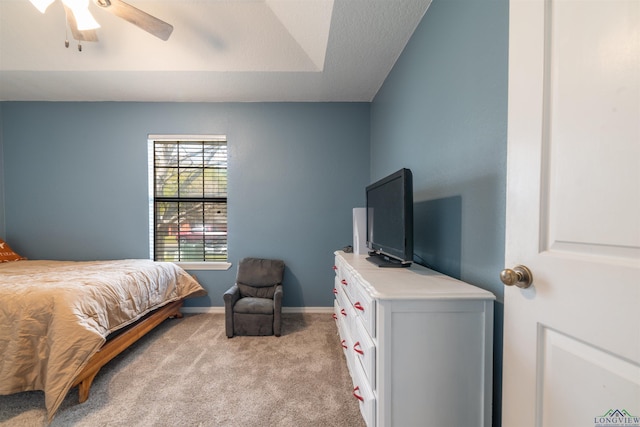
(365, 395)
(364, 351)
(345, 339)
(349, 283)
(357, 297)
(365, 307)
(347, 312)
(340, 267)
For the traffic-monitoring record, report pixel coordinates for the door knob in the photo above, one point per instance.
(520, 276)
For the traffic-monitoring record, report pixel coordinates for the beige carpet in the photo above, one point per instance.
(188, 373)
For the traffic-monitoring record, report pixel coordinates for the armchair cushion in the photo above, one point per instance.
(257, 272)
(254, 305)
(256, 292)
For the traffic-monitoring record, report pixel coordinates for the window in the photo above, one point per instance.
(188, 198)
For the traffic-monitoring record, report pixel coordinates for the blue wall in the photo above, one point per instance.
(76, 182)
(2, 229)
(442, 112)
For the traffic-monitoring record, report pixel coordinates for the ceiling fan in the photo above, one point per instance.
(83, 25)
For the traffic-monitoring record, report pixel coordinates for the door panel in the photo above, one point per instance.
(605, 380)
(593, 97)
(572, 339)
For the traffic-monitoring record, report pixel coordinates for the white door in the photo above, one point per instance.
(572, 339)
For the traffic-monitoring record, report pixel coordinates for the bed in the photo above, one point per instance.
(61, 321)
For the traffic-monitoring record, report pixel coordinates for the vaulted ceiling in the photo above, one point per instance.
(219, 51)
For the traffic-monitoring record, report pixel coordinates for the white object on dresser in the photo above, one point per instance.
(359, 231)
(418, 344)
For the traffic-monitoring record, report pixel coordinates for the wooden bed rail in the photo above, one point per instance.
(117, 345)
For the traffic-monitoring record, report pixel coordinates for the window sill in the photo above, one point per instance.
(204, 265)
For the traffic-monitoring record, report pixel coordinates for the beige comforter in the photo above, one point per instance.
(54, 315)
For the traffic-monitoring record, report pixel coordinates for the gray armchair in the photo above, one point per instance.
(253, 305)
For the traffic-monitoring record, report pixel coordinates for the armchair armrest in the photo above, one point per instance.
(277, 298)
(230, 297)
(277, 311)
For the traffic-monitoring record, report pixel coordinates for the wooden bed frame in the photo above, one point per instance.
(121, 342)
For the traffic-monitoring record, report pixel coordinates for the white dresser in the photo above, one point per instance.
(418, 344)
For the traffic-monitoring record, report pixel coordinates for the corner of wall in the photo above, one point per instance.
(2, 222)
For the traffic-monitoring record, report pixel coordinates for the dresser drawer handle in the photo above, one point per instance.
(358, 306)
(343, 312)
(357, 349)
(342, 343)
(344, 282)
(356, 395)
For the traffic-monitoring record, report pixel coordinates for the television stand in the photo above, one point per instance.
(385, 262)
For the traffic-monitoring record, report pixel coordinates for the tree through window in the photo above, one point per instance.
(189, 209)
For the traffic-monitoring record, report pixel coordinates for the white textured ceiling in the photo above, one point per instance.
(219, 51)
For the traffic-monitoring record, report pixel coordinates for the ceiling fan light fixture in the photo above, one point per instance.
(84, 18)
(41, 5)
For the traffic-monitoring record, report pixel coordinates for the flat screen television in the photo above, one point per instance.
(389, 210)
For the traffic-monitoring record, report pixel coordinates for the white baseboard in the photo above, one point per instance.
(220, 310)
(321, 310)
(208, 310)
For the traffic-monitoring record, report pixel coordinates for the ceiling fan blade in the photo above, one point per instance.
(137, 17)
(86, 35)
